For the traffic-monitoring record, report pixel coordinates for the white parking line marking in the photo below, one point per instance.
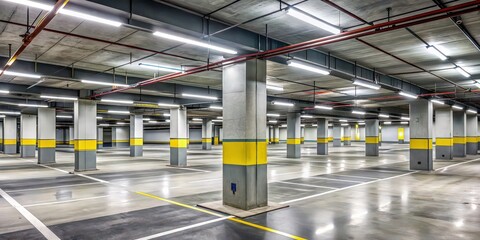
(307, 185)
(66, 201)
(44, 188)
(342, 175)
(443, 169)
(335, 179)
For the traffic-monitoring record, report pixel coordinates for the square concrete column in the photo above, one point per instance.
(302, 134)
(46, 135)
(188, 133)
(322, 136)
(71, 136)
(120, 137)
(421, 132)
(206, 134)
(472, 128)
(10, 135)
(178, 137)
(85, 135)
(136, 135)
(337, 135)
(244, 143)
(444, 133)
(293, 135)
(99, 138)
(1, 135)
(478, 135)
(371, 137)
(216, 135)
(270, 134)
(459, 134)
(347, 138)
(276, 135)
(28, 135)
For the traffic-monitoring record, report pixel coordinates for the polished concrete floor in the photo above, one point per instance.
(341, 196)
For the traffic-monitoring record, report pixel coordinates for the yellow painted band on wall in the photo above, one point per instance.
(276, 140)
(293, 141)
(401, 133)
(421, 143)
(459, 140)
(472, 140)
(178, 142)
(478, 139)
(206, 140)
(71, 142)
(322, 140)
(372, 140)
(47, 143)
(10, 141)
(85, 144)
(1, 140)
(99, 142)
(215, 140)
(245, 153)
(330, 139)
(136, 141)
(120, 141)
(444, 142)
(28, 142)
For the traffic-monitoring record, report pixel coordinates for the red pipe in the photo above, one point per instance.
(392, 25)
(29, 38)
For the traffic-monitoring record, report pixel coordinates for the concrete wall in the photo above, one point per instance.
(390, 133)
(283, 134)
(163, 135)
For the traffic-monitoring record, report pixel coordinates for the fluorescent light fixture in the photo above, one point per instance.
(272, 121)
(405, 118)
(166, 114)
(283, 125)
(310, 20)
(64, 116)
(4, 91)
(105, 83)
(343, 120)
(361, 123)
(323, 107)
(103, 124)
(17, 74)
(433, 50)
(168, 120)
(99, 117)
(151, 121)
(168, 105)
(118, 112)
(219, 117)
(314, 125)
(457, 107)
(275, 88)
(31, 105)
(384, 115)
(404, 123)
(437, 101)
(344, 124)
(472, 111)
(122, 123)
(273, 115)
(306, 116)
(308, 67)
(59, 97)
(217, 120)
(463, 72)
(9, 113)
(196, 119)
(160, 68)
(359, 112)
(283, 103)
(387, 123)
(146, 119)
(366, 84)
(409, 95)
(199, 96)
(194, 42)
(117, 101)
(216, 107)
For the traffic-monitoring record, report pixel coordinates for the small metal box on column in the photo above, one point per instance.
(206, 134)
(421, 132)
(472, 126)
(178, 137)
(28, 135)
(85, 135)
(99, 138)
(136, 135)
(347, 138)
(322, 136)
(293, 135)
(444, 133)
(371, 137)
(459, 134)
(46, 135)
(10, 135)
(337, 135)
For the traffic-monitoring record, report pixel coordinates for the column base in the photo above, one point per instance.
(444, 152)
(220, 207)
(178, 157)
(10, 149)
(421, 159)
(337, 142)
(322, 148)
(459, 150)
(206, 146)
(372, 149)
(293, 151)
(85, 160)
(238, 182)
(27, 151)
(136, 151)
(46, 155)
(401, 141)
(472, 148)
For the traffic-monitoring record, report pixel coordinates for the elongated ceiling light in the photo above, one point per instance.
(68, 12)
(463, 72)
(409, 95)
(160, 68)
(323, 107)
(199, 96)
(273, 115)
(272, 121)
(308, 67)
(64, 116)
(166, 114)
(404, 123)
(383, 115)
(31, 105)
(405, 118)
(359, 112)
(343, 120)
(117, 101)
(306, 116)
(216, 107)
(196, 119)
(275, 88)
(105, 83)
(118, 112)
(437, 101)
(168, 105)
(283, 103)
(476, 83)
(310, 20)
(433, 50)
(17, 74)
(457, 107)
(217, 120)
(4, 91)
(194, 42)
(219, 117)
(344, 124)
(59, 97)
(387, 123)
(366, 84)
(9, 113)
(472, 111)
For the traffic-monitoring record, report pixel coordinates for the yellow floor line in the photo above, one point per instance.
(234, 219)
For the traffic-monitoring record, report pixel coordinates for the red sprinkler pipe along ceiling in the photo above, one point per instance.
(365, 31)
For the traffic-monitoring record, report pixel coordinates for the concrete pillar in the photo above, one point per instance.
(10, 135)
(244, 143)
(459, 134)
(444, 133)
(178, 137)
(302, 134)
(276, 135)
(136, 135)
(421, 132)
(46, 135)
(216, 136)
(187, 128)
(371, 137)
(99, 138)
(1, 136)
(337, 135)
(71, 136)
(472, 128)
(120, 137)
(206, 134)
(293, 135)
(347, 138)
(322, 136)
(85, 135)
(478, 135)
(270, 134)
(28, 135)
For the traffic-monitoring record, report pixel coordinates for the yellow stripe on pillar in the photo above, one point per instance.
(401, 133)
(85, 144)
(10, 141)
(322, 140)
(178, 142)
(245, 153)
(444, 142)
(28, 142)
(421, 143)
(472, 140)
(136, 141)
(121, 141)
(206, 140)
(459, 140)
(372, 140)
(47, 143)
(293, 141)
